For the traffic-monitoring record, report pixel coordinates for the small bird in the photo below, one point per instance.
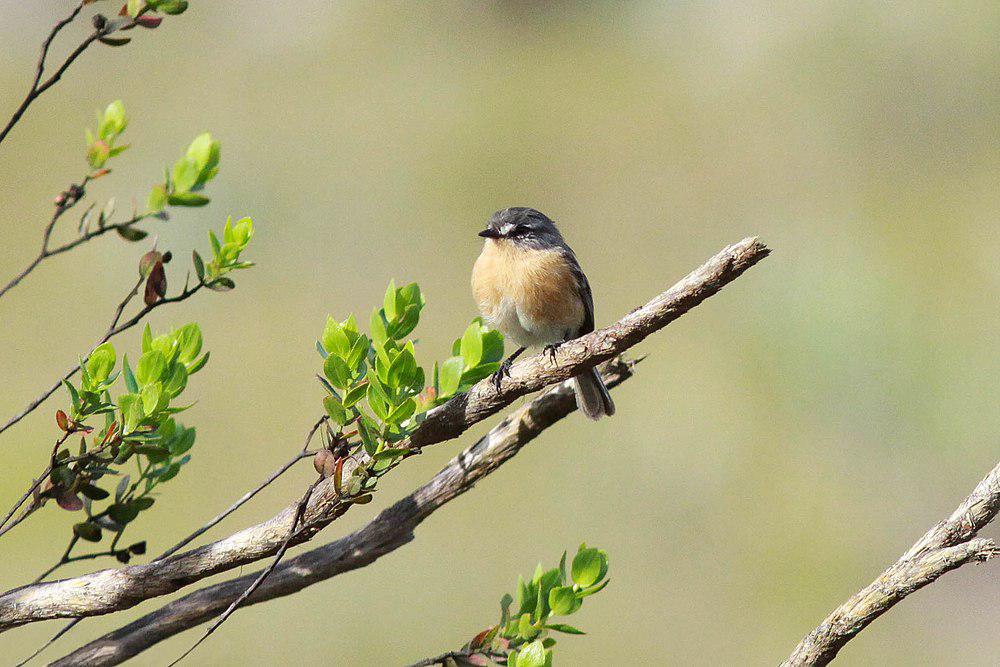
(528, 284)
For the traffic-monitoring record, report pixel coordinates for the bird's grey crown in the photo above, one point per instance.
(526, 226)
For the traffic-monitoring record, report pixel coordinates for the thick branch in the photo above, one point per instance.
(390, 530)
(113, 590)
(945, 547)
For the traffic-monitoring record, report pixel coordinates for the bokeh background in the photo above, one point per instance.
(781, 445)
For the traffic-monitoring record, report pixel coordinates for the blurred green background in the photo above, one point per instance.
(783, 443)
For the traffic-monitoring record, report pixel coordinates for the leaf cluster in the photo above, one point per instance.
(524, 629)
(138, 424)
(183, 183)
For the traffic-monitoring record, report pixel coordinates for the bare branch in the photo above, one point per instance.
(103, 27)
(390, 530)
(945, 547)
(113, 590)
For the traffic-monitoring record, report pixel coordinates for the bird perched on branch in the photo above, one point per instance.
(529, 285)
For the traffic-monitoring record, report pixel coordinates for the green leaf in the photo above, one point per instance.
(378, 330)
(563, 601)
(472, 345)
(355, 394)
(87, 531)
(187, 199)
(131, 409)
(390, 453)
(199, 266)
(74, 395)
(101, 362)
(198, 365)
(157, 199)
(185, 175)
(335, 340)
(402, 412)
(336, 410)
(368, 439)
(151, 368)
(94, 492)
(593, 589)
(450, 376)
(131, 233)
(532, 655)
(183, 442)
(176, 380)
(336, 371)
(589, 566)
(155, 453)
(151, 397)
(563, 627)
(172, 7)
(390, 302)
(492, 346)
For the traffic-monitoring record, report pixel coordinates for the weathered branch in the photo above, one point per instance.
(113, 590)
(387, 532)
(945, 547)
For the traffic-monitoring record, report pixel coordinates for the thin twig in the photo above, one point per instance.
(113, 330)
(37, 87)
(6, 527)
(56, 637)
(296, 523)
(246, 497)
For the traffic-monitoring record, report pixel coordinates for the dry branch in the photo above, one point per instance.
(387, 532)
(109, 591)
(948, 545)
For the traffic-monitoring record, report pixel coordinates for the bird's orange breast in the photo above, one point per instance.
(540, 284)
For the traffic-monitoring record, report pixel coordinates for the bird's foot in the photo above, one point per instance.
(504, 369)
(551, 349)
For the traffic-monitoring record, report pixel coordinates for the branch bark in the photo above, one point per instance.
(109, 591)
(949, 545)
(390, 530)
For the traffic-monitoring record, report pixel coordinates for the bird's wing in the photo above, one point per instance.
(586, 295)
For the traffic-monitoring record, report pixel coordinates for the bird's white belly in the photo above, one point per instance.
(514, 324)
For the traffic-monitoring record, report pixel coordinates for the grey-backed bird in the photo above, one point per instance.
(529, 285)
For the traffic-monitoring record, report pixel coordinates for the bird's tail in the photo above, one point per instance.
(592, 396)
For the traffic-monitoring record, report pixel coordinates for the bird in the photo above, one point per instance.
(529, 285)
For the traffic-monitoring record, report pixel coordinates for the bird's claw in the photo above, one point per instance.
(497, 377)
(551, 349)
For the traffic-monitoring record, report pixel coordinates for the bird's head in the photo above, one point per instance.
(522, 226)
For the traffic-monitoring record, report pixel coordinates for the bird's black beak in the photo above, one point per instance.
(490, 233)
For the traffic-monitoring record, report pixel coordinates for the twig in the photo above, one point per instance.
(945, 547)
(393, 528)
(114, 590)
(296, 523)
(47, 252)
(113, 330)
(4, 526)
(442, 659)
(56, 637)
(246, 497)
(37, 89)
